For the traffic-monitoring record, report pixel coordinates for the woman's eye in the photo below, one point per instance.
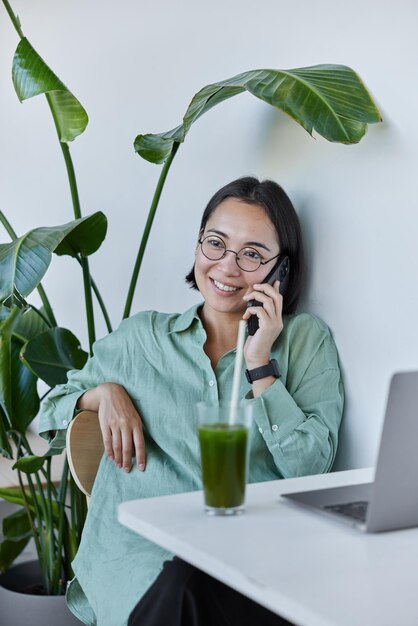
(215, 243)
(252, 254)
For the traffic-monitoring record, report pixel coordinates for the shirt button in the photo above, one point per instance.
(260, 430)
(64, 422)
(274, 427)
(211, 383)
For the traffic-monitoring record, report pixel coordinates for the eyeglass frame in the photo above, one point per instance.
(200, 241)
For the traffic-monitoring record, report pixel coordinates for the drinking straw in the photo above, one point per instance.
(237, 371)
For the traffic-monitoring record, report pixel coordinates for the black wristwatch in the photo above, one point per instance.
(271, 369)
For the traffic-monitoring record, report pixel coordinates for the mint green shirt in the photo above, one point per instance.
(160, 361)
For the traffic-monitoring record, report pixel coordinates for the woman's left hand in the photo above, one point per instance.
(258, 346)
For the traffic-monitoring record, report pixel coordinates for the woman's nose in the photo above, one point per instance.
(229, 263)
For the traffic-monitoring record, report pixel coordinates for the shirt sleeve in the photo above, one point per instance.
(108, 364)
(300, 417)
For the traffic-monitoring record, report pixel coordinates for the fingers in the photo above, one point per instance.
(269, 297)
(117, 447)
(264, 293)
(139, 444)
(107, 441)
(126, 436)
(122, 437)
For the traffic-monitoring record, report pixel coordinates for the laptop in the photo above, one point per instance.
(391, 501)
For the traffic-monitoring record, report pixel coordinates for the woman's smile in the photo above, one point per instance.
(225, 289)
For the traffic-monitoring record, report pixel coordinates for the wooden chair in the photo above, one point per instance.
(84, 449)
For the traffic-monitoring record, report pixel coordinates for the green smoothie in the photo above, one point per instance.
(223, 457)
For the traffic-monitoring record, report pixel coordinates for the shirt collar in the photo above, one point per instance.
(185, 320)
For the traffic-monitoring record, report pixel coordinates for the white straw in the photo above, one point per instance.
(237, 371)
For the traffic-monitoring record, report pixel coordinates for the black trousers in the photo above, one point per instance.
(182, 595)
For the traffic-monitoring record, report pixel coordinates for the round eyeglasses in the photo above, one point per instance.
(247, 259)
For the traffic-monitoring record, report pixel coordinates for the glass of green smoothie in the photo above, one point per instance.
(224, 448)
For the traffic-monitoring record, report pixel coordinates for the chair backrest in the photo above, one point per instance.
(84, 449)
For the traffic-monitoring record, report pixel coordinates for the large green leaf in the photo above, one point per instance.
(29, 325)
(5, 447)
(25, 398)
(14, 495)
(9, 551)
(85, 238)
(18, 393)
(24, 261)
(330, 99)
(32, 77)
(6, 330)
(51, 354)
(17, 526)
(29, 464)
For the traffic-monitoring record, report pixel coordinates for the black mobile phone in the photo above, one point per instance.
(279, 272)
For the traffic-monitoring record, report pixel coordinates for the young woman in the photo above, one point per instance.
(145, 379)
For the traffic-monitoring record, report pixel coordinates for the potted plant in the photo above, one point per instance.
(329, 99)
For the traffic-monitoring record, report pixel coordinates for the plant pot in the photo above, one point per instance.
(19, 609)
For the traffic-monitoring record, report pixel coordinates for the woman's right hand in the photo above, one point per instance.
(120, 423)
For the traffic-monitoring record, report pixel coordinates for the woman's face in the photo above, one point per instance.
(222, 283)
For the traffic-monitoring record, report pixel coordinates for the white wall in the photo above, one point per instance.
(135, 66)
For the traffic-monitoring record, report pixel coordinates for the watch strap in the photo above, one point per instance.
(271, 369)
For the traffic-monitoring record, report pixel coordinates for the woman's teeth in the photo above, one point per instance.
(224, 287)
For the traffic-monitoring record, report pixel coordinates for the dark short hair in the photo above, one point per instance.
(277, 205)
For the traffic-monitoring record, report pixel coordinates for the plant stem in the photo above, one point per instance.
(61, 504)
(77, 214)
(12, 234)
(41, 315)
(33, 528)
(47, 306)
(36, 531)
(89, 303)
(7, 226)
(99, 300)
(147, 229)
(50, 529)
(20, 441)
(15, 312)
(14, 18)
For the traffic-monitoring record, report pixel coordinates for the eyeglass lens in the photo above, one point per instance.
(214, 248)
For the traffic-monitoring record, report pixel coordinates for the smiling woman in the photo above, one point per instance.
(145, 379)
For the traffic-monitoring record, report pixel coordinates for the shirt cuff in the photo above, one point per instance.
(58, 420)
(275, 413)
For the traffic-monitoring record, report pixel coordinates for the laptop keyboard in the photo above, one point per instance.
(356, 510)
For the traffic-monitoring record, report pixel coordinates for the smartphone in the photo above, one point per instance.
(279, 272)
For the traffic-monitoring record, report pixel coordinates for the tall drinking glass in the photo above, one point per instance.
(224, 448)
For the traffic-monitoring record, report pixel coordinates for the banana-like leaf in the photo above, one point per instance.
(17, 526)
(14, 496)
(86, 238)
(32, 77)
(5, 447)
(330, 99)
(29, 325)
(25, 398)
(51, 354)
(9, 551)
(24, 261)
(19, 398)
(29, 464)
(6, 330)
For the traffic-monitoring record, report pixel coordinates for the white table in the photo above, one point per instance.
(311, 570)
